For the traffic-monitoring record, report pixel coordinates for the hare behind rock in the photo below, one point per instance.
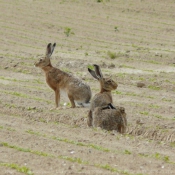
(76, 89)
(110, 118)
(104, 97)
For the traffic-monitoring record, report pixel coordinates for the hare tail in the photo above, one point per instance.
(86, 105)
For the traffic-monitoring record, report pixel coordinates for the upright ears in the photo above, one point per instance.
(97, 74)
(50, 49)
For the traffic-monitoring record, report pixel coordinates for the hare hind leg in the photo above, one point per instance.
(89, 118)
(121, 129)
(71, 100)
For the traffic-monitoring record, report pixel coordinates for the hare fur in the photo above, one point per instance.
(104, 97)
(76, 90)
(110, 118)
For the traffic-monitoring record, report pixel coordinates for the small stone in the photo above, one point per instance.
(103, 64)
(111, 65)
(140, 84)
(139, 122)
(69, 167)
(72, 151)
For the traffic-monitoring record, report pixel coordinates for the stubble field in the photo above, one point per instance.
(133, 41)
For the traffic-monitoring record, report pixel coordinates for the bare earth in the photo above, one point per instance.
(139, 34)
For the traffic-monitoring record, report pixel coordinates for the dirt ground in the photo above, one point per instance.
(133, 41)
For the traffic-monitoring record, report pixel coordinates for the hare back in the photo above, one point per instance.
(109, 119)
(73, 86)
(101, 99)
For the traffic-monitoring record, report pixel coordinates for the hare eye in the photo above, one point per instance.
(41, 60)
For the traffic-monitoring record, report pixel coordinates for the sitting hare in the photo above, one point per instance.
(110, 118)
(104, 97)
(76, 90)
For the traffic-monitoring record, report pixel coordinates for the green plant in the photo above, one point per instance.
(172, 144)
(71, 159)
(141, 78)
(148, 70)
(166, 158)
(154, 106)
(118, 92)
(68, 31)
(154, 87)
(112, 55)
(164, 99)
(38, 81)
(31, 108)
(66, 70)
(10, 129)
(25, 96)
(116, 28)
(143, 155)
(158, 116)
(122, 75)
(157, 155)
(127, 152)
(151, 97)
(131, 94)
(90, 67)
(22, 169)
(125, 66)
(97, 147)
(144, 113)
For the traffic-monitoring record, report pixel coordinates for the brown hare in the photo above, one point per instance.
(76, 90)
(110, 118)
(104, 97)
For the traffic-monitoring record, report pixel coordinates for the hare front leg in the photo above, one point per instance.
(57, 99)
(89, 119)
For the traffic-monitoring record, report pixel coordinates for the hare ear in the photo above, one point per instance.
(98, 71)
(93, 73)
(50, 49)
